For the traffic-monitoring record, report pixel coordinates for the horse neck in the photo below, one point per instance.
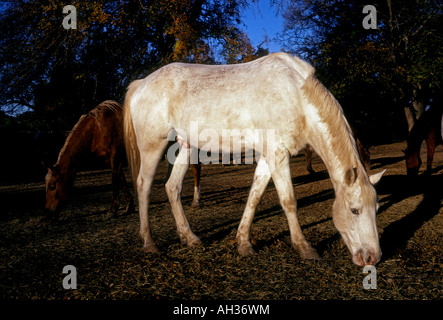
(417, 134)
(331, 137)
(338, 155)
(78, 141)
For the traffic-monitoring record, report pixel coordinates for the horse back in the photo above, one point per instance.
(107, 137)
(257, 94)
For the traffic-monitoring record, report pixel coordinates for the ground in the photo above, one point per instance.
(110, 263)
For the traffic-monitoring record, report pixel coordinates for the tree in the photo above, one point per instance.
(385, 71)
(60, 74)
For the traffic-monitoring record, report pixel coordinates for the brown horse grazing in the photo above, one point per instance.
(362, 151)
(428, 127)
(99, 132)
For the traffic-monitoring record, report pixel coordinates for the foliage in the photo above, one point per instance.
(374, 73)
(60, 74)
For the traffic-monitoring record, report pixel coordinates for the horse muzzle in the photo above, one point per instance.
(364, 258)
(53, 209)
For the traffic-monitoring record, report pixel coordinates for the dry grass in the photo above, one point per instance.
(111, 265)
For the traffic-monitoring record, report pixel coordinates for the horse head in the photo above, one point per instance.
(413, 162)
(353, 214)
(57, 188)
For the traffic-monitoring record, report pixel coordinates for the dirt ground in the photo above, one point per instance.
(110, 263)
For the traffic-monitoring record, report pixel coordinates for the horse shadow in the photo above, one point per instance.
(383, 162)
(400, 187)
(393, 238)
(310, 177)
(221, 230)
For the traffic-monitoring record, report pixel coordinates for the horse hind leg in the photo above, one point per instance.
(308, 154)
(149, 159)
(196, 169)
(173, 189)
(119, 182)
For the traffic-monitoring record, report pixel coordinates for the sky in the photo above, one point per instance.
(261, 23)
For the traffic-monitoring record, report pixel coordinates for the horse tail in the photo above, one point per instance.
(130, 140)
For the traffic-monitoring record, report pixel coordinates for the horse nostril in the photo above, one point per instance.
(364, 259)
(358, 259)
(372, 258)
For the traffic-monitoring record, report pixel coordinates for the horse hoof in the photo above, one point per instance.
(310, 254)
(130, 208)
(152, 248)
(191, 240)
(246, 250)
(195, 205)
(195, 243)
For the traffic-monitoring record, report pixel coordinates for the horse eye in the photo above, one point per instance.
(355, 211)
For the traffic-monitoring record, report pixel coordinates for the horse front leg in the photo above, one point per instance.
(128, 195)
(430, 146)
(261, 180)
(173, 189)
(149, 158)
(281, 174)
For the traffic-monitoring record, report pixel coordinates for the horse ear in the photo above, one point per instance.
(376, 177)
(46, 164)
(351, 176)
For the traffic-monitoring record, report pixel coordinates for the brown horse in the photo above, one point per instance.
(428, 127)
(99, 132)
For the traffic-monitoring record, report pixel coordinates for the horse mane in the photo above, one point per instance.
(332, 114)
(75, 142)
(111, 105)
(80, 135)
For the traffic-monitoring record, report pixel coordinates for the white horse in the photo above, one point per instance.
(278, 92)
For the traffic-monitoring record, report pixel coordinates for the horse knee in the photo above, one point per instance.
(173, 190)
